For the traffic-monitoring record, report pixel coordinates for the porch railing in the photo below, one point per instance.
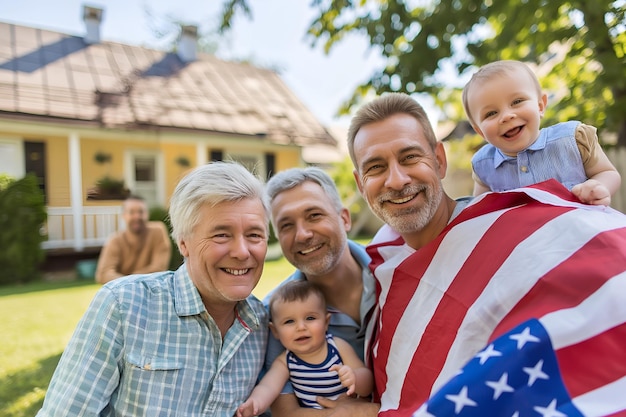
(97, 224)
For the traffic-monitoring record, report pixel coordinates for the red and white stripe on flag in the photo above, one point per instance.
(508, 257)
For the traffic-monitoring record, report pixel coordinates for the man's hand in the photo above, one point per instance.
(248, 409)
(349, 407)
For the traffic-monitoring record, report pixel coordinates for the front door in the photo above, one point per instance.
(35, 163)
(145, 176)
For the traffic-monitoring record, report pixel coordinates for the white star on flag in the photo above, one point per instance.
(535, 373)
(524, 337)
(460, 400)
(550, 410)
(488, 352)
(500, 386)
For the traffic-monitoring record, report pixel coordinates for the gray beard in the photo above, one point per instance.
(412, 219)
(328, 262)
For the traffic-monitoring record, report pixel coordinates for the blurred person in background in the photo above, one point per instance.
(141, 248)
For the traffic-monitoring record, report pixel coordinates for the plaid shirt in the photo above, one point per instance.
(147, 347)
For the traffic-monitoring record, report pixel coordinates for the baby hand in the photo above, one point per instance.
(592, 192)
(346, 376)
(247, 409)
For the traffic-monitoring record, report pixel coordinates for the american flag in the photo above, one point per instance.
(529, 265)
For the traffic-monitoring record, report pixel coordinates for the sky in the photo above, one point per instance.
(274, 37)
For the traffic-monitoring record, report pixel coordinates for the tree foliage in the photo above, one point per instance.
(433, 46)
(22, 215)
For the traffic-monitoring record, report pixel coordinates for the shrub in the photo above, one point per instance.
(5, 181)
(160, 213)
(22, 216)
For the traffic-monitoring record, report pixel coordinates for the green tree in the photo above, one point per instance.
(22, 215)
(432, 46)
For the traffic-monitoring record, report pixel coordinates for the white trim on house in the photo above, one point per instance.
(201, 154)
(12, 157)
(76, 190)
(99, 221)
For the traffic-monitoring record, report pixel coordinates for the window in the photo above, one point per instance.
(145, 168)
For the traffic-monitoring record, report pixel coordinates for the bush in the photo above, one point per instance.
(160, 213)
(22, 216)
(5, 181)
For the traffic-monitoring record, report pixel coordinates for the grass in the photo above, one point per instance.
(37, 322)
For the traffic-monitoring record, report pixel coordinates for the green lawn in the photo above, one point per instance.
(37, 322)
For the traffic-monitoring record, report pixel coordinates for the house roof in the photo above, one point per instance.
(60, 77)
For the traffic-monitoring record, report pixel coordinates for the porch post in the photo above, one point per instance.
(201, 154)
(76, 191)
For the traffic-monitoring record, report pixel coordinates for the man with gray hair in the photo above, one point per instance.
(312, 227)
(187, 342)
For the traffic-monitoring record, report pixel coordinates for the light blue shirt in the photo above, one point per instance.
(341, 325)
(554, 154)
(147, 347)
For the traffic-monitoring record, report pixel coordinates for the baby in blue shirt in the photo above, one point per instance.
(504, 104)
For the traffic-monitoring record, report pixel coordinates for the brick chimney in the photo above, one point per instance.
(92, 17)
(188, 43)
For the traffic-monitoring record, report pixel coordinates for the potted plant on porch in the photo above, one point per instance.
(108, 188)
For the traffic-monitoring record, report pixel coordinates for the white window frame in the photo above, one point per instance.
(12, 157)
(129, 173)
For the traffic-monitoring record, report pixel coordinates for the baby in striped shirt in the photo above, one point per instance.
(316, 363)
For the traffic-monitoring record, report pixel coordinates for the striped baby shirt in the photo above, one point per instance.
(312, 380)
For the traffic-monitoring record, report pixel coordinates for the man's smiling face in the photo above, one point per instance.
(398, 173)
(311, 233)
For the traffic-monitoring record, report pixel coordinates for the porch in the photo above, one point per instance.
(79, 228)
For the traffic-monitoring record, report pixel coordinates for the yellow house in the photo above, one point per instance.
(80, 112)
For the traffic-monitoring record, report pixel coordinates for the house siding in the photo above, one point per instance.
(57, 171)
